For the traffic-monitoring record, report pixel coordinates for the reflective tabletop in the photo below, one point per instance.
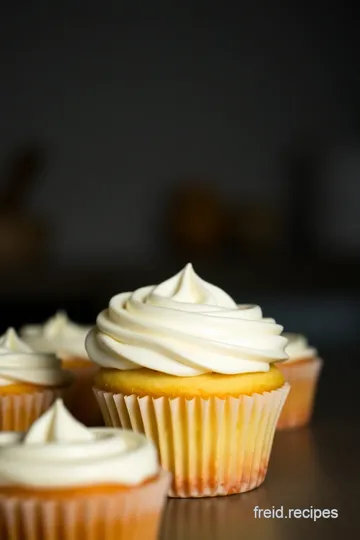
(314, 468)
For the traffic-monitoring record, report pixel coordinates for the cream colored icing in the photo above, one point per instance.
(58, 335)
(298, 347)
(184, 327)
(19, 363)
(58, 451)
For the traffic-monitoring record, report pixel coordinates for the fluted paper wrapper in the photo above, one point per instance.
(211, 446)
(19, 411)
(303, 378)
(131, 514)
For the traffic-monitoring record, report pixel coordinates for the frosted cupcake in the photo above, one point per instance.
(29, 382)
(66, 339)
(302, 371)
(182, 363)
(64, 481)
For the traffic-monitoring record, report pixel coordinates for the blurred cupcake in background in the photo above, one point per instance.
(187, 366)
(302, 371)
(66, 339)
(63, 481)
(29, 382)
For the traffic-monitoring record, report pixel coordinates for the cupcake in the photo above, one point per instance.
(29, 382)
(66, 339)
(302, 371)
(63, 481)
(184, 364)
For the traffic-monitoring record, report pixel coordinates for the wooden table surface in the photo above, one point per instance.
(315, 467)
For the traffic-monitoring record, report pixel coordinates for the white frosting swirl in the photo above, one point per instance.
(58, 451)
(58, 335)
(184, 327)
(298, 348)
(19, 363)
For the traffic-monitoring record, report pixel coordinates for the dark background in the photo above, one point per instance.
(149, 125)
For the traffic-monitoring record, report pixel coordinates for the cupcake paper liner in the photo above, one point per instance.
(303, 378)
(131, 514)
(211, 446)
(19, 411)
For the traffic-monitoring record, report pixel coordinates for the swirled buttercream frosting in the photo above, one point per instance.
(298, 348)
(184, 327)
(58, 451)
(58, 335)
(19, 363)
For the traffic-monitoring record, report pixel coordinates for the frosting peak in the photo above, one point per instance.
(11, 343)
(58, 451)
(56, 324)
(58, 335)
(19, 363)
(184, 327)
(57, 425)
(187, 287)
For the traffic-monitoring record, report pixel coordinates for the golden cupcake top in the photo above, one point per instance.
(145, 382)
(58, 451)
(185, 327)
(19, 363)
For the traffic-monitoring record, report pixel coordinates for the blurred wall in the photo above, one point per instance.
(126, 102)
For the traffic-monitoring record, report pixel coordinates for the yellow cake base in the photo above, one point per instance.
(145, 382)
